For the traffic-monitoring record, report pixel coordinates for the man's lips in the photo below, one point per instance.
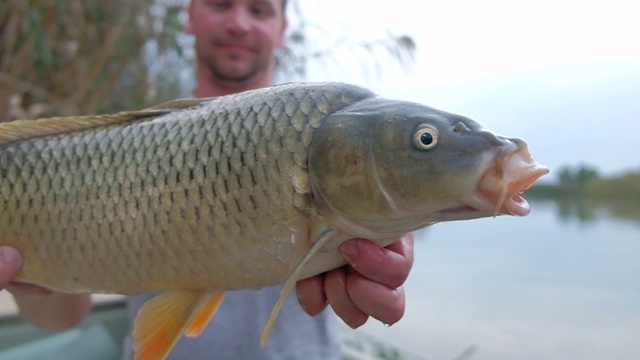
(234, 47)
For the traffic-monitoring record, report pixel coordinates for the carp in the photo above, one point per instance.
(198, 196)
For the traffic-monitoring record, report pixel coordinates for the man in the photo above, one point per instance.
(235, 44)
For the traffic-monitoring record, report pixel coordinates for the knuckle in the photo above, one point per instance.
(399, 276)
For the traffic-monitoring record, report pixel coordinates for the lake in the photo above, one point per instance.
(553, 285)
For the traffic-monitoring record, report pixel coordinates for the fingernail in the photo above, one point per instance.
(9, 255)
(350, 248)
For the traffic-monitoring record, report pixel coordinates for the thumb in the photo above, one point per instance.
(10, 262)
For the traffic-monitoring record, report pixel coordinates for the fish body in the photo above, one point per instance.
(216, 196)
(243, 191)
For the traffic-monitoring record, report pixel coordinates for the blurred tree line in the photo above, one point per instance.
(70, 57)
(577, 177)
(623, 188)
(584, 181)
(582, 193)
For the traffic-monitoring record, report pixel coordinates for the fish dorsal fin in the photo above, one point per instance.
(322, 237)
(178, 104)
(164, 319)
(19, 130)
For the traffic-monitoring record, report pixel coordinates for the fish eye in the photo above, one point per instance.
(425, 138)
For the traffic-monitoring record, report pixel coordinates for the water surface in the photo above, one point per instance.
(553, 285)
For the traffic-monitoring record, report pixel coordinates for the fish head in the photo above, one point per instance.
(382, 168)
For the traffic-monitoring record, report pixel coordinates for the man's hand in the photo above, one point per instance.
(371, 285)
(40, 306)
(10, 262)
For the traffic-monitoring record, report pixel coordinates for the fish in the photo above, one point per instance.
(195, 197)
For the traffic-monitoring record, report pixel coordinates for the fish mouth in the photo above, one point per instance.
(501, 186)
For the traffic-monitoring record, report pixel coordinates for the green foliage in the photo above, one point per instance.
(621, 188)
(549, 191)
(579, 176)
(68, 57)
(585, 182)
(71, 57)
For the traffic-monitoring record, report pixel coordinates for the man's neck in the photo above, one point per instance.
(209, 87)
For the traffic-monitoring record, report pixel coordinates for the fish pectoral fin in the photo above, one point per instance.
(208, 307)
(163, 319)
(320, 241)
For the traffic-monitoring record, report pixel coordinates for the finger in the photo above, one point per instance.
(10, 262)
(27, 289)
(388, 266)
(335, 285)
(375, 299)
(311, 294)
(404, 246)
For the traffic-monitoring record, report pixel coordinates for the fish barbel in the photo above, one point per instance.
(198, 196)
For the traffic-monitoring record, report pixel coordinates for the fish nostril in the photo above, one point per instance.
(519, 142)
(460, 127)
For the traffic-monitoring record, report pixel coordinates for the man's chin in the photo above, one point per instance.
(234, 74)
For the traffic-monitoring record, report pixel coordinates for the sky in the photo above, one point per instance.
(562, 75)
(462, 40)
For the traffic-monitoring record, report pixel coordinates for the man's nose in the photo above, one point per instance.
(239, 21)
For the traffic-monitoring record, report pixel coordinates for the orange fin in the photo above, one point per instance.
(208, 307)
(163, 319)
(321, 239)
(18, 130)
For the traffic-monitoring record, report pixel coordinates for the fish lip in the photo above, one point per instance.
(500, 187)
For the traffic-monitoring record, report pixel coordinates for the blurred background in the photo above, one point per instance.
(563, 282)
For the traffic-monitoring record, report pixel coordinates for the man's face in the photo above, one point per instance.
(236, 39)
